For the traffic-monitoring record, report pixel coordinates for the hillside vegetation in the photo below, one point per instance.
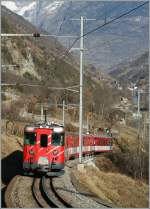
(135, 71)
(114, 188)
(40, 62)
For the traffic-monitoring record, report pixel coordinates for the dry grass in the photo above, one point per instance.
(115, 188)
(130, 154)
(105, 164)
(128, 136)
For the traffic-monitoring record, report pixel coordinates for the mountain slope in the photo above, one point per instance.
(126, 38)
(135, 71)
(40, 63)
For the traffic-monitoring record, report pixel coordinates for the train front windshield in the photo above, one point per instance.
(29, 138)
(58, 139)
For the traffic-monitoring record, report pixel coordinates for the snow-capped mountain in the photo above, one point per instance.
(32, 10)
(125, 39)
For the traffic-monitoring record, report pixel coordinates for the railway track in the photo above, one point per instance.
(40, 190)
(45, 192)
(45, 195)
(37, 194)
(64, 188)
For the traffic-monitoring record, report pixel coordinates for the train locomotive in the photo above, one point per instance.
(47, 146)
(44, 149)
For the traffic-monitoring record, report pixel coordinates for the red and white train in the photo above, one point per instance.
(47, 147)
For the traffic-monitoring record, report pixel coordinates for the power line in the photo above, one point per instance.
(112, 9)
(124, 14)
(34, 35)
(85, 7)
(67, 12)
(109, 11)
(38, 85)
(107, 23)
(59, 104)
(62, 24)
(14, 65)
(119, 37)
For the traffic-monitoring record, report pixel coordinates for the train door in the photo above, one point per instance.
(43, 146)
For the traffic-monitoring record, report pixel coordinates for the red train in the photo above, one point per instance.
(47, 147)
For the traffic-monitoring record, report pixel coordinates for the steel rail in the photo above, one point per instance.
(34, 193)
(58, 196)
(50, 196)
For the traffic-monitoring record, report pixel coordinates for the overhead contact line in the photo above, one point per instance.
(107, 23)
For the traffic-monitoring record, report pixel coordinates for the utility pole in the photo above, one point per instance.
(138, 111)
(41, 112)
(63, 112)
(87, 124)
(81, 94)
(37, 35)
(139, 101)
(139, 143)
(45, 114)
(81, 85)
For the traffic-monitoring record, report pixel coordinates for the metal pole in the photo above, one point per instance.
(32, 35)
(41, 112)
(81, 93)
(139, 115)
(138, 101)
(139, 147)
(87, 124)
(45, 113)
(63, 112)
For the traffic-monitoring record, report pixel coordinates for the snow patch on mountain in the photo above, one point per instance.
(30, 7)
(18, 8)
(26, 8)
(10, 5)
(53, 6)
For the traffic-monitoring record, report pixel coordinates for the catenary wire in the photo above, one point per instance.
(101, 26)
(67, 12)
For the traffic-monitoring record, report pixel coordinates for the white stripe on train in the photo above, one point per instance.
(60, 153)
(53, 149)
(73, 150)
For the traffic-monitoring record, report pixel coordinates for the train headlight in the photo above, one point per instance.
(55, 152)
(58, 129)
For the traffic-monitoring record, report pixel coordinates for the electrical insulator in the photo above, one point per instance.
(18, 66)
(36, 34)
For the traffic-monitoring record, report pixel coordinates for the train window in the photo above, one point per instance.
(29, 138)
(44, 140)
(58, 139)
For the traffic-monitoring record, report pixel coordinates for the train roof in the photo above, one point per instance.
(49, 125)
(104, 135)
